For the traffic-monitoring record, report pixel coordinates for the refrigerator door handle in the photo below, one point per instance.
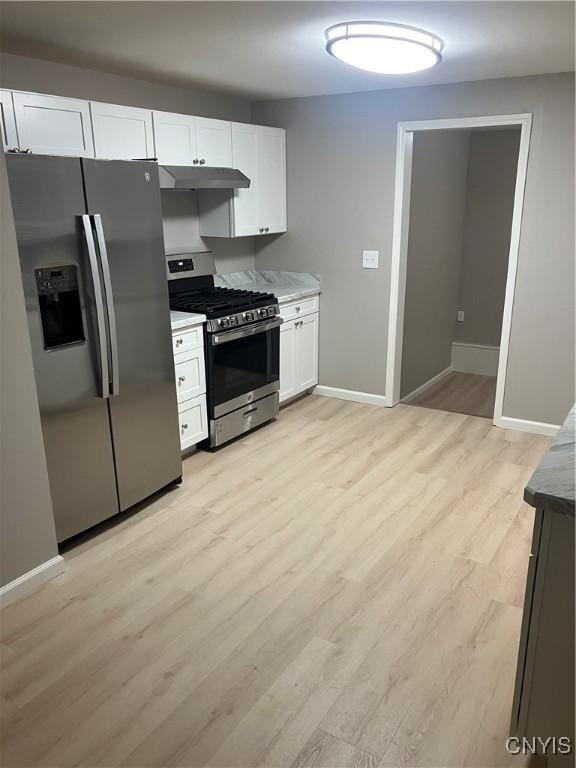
(100, 321)
(115, 389)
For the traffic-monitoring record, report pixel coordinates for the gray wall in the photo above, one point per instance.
(493, 161)
(435, 245)
(27, 536)
(182, 233)
(341, 158)
(22, 73)
(26, 74)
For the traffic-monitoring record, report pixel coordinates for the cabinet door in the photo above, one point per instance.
(214, 142)
(122, 133)
(245, 158)
(193, 421)
(307, 352)
(190, 375)
(175, 138)
(272, 179)
(50, 125)
(8, 121)
(287, 360)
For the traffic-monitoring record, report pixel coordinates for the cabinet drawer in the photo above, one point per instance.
(193, 422)
(190, 375)
(299, 307)
(191, 338)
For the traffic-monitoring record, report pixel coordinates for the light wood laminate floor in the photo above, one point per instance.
(341, 588)
(467, 393)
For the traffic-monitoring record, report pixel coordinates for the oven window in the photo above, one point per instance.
(245, 364)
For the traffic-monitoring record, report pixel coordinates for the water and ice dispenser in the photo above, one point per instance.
(60, 307)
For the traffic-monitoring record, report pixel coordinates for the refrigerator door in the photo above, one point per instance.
(125, 195)
(64, 314)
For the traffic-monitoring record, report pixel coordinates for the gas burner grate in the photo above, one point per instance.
(216, 302)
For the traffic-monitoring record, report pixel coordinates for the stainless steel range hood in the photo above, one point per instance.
(191, 177)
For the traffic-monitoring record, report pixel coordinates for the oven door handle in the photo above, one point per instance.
(251, 330)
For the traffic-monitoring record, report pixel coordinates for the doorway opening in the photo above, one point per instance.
(457, 217)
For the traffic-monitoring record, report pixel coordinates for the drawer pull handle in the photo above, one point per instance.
(184, 427)
(249, 413)
(297, 309)
(179, 341)
(181, 379)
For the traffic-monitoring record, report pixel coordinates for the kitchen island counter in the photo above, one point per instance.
(544, 693)
(553, 483)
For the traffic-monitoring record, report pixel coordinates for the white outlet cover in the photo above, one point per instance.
(370, 259)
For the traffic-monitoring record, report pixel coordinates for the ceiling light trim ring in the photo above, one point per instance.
(436, 43)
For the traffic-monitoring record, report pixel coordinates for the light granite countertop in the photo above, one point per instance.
(286, 286)
(180, 320)
(553, 484)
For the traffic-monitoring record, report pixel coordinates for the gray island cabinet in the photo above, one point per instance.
(544, 693)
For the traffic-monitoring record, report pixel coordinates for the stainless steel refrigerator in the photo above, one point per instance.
(92, 256)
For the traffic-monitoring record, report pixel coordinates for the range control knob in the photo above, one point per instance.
(263, 312)
(248, 315)
(225, 322)
(234, 320)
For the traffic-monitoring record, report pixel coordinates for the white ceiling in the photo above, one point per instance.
(276, 49)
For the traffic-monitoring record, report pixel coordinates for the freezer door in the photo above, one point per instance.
(125, 195)
(48, 201)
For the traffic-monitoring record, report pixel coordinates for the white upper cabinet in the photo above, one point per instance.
(122, 133)
(214, 142)
(245, 159)
(272, 179)
(187, 140)
(260, 153)
(8, 121)
(51, 125)
(175, 138)
(60, 126)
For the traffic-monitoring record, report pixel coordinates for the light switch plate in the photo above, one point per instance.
(370, 259)
(460, 316)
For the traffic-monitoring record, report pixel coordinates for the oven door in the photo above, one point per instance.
(243, 366)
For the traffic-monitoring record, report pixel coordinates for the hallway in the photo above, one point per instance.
(467, 393)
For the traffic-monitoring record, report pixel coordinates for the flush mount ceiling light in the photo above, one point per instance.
(382, 47)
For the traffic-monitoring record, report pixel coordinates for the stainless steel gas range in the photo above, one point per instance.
(242, 346)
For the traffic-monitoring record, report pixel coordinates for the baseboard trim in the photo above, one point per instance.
(523, 425)
(475, 358)
(350, 394)
(427, 384)
(31, 580)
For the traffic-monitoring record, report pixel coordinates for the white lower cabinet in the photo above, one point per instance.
(190, 375)
(188, 346)
(287, 360)
(298, 348)
(307, 351)
(193, 421)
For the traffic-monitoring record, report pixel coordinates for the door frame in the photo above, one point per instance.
(402, 183)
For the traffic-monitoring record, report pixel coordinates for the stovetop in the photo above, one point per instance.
(226, 307)
(218, 302)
